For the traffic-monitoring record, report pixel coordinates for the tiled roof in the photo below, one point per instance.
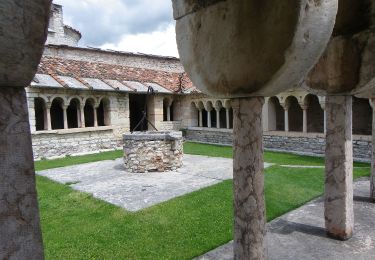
(59, 72)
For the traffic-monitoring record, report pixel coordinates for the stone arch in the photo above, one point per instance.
(295, 114)
(89, 112)
(74, 113)
(57, 113)
(362, 116)
(315, 114)
(276, 119)
(104, 112)
(40, 108)
(70, 98)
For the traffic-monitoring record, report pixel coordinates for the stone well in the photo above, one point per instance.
(153, 151)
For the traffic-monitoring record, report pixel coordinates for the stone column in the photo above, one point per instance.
(168, 113)
(65, 117)
(82, 117)
(217, 117)
(286, 119)
(339, 216)
(372, 181)
(209, 123)
(20, 234)
(304, 109)
(95, 116)
(200, 118)
(249, 204)
(48, 117)
(227, 117)
(325, 121)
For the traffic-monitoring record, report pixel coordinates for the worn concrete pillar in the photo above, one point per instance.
(65, 117)
(95, 116)
(20, 235)
(209, 121)
(372, 181)
(82, 117)
(249, 204)
(339, 216)
(217, 117)
(304, 128)
(227, 117)
(48, 117)
(286, 119)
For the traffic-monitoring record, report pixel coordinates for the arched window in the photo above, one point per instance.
(40, 114)
(315, 115)
(194, 115)
(73, 113)
(103, 113)
(276, 121)
(57, 114)
(295, 114)
(89, 113)
(362, 116)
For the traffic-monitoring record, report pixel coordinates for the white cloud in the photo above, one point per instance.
(122, 24)
(159, 42)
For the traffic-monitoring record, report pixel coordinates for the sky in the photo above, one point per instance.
(144, 26)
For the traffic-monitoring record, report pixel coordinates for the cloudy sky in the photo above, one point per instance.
(144, 26)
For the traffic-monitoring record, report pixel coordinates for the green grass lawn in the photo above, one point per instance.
(77, 226)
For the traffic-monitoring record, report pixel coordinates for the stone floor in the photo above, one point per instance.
(300, 233)
(108, 180)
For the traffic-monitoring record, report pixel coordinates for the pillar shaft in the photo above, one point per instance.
(218, 118)
(95, 117)
(20, 234)
(305, 120)
(209, 123)
(82, 117)
(65, 117)
(227, 117)
(48, 123)
(286, 119)
(339, 216)
(200, 118)
(168, 113)
(249, 205)
(325, 121)
(372, 181)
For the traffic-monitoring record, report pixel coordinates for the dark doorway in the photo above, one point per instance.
(72, 112)
(40, 114)
(136, 107)
(57, 114)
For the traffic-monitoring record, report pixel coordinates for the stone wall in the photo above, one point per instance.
(153, 151)
(59, 143)
(170, 125)
(300, 143)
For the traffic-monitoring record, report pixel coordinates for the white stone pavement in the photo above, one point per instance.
(108, 180)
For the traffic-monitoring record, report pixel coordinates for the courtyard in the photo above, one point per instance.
(77, 225)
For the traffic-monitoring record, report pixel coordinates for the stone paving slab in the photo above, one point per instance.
(108, 180)
(300, 234)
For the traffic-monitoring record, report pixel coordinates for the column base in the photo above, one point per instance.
(340, 237)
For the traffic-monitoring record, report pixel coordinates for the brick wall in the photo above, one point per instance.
(300, 143)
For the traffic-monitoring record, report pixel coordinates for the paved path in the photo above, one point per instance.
(108, 180)
(300, 234)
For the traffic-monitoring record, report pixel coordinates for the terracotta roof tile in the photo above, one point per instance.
(174, 82)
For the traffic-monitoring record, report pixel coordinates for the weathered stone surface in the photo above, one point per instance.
(226, 48)
(372, 179)
(153, 151)
(292, 142)
(23, 31)
(339, 216)
(20, 234)
(248, 178)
